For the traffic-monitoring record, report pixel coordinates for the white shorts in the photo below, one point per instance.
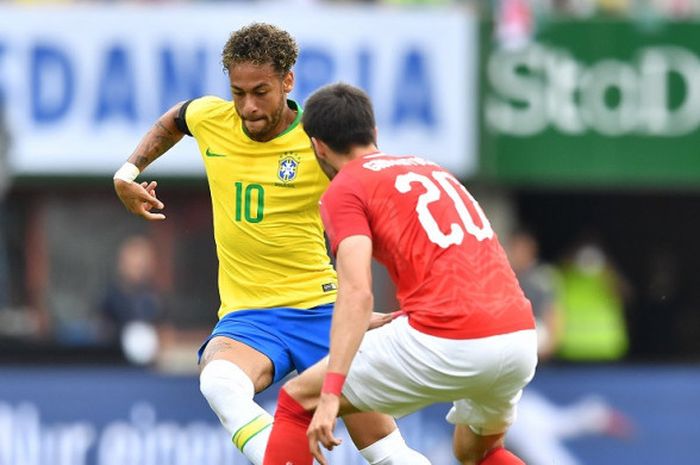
(399, 370)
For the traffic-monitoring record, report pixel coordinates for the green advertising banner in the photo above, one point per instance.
(606, 104)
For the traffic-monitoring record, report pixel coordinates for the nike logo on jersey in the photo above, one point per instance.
(209, 153)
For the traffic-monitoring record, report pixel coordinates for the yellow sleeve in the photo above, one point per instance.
(201, 109)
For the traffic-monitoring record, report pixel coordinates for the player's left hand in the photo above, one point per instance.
(322, 425)
(140, 198)
(150, 188)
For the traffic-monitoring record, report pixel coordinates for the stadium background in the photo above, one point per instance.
(568, 117)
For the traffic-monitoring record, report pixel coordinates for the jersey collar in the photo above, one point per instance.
(294, 106)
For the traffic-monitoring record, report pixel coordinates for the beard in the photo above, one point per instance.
(264, 132)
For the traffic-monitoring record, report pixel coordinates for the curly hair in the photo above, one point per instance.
(261, 44)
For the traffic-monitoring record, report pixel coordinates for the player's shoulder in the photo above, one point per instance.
(340, 183)
(362, 170)
(207, 108)
(382, 162)
(209, 104)
(348, 182)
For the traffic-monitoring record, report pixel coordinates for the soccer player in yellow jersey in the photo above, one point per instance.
(276, 283)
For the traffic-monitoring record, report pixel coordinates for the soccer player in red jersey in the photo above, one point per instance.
(465, 332)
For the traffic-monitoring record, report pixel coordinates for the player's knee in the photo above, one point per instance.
(293, 387)
(302, 392)
(221, 380)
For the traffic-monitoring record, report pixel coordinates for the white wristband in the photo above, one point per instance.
(128, 172)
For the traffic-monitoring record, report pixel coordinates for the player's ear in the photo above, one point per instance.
(288, 82)
(316, 145)
(320, 148)
(376, 135)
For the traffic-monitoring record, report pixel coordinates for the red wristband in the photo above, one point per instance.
(333, 383)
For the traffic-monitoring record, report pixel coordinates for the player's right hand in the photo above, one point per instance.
(140, 199)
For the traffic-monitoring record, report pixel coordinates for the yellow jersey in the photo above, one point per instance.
(267, 227)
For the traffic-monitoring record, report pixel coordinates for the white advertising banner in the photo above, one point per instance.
(83, 83)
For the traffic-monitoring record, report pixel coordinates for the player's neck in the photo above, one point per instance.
(338, 160)
(361, 151)
(289, 117)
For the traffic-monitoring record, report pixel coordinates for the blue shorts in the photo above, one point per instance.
(292, 338)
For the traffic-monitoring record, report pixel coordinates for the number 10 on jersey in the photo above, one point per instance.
(250, 202)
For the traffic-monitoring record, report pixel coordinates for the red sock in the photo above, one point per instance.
(288, 443)
(500, 456)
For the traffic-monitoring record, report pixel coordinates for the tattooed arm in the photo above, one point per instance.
(141, 198)
(158, 140)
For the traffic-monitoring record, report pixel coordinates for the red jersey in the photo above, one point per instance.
(452, 276)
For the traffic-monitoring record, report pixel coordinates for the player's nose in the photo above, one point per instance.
(249, 109)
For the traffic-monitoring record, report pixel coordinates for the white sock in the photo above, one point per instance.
(230, 392)
(393, 450)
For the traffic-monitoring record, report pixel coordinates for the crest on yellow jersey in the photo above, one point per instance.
(288, 167)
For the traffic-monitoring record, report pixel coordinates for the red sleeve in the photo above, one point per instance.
(343, 211)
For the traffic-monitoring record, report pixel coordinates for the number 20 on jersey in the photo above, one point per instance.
(443, 183)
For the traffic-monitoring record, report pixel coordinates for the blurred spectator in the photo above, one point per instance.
(674, 9)
(679, 9)
(537, 280)
(542, 427)
(4, 187)
(594, 326)
(131, 306)
(514, 23)
(573, 8)
(418, 2)
(614, 7)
